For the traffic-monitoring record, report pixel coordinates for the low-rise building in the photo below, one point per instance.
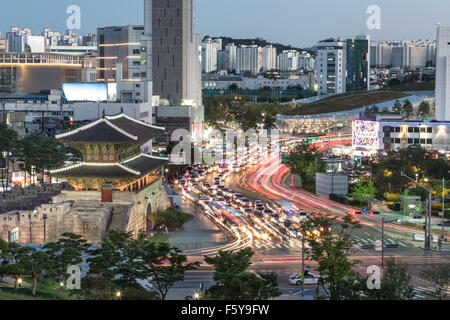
(331, 183)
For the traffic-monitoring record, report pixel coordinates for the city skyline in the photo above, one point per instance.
(213, 18)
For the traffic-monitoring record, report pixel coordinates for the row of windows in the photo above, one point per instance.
(410, 129)
(413, 141)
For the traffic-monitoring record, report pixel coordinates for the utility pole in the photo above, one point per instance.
(383, 221)
(427, 216)
(303, 263)
(443, 206)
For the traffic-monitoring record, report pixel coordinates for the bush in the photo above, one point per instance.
(171, 217)
(139, 294)
(392, 196)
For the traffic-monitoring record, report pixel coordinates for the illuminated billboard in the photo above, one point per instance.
(365, 134)
(85, 91)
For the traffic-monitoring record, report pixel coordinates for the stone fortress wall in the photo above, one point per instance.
(83, 213)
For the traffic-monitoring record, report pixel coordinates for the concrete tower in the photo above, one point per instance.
(442, 112)
(147, 53)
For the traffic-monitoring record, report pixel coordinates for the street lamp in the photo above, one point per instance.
(383, 221)
(427, 216)
(45, 217)
(118, 295)
(443, 202)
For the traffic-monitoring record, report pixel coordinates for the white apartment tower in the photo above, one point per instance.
(249, 58)
(231, 56)
(269, 57)
(330, 66)
(442, 112)
(210, 49)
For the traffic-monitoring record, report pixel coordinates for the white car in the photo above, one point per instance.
(309, 278)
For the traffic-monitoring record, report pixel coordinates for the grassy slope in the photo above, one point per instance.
(46, 290)
(348, 101)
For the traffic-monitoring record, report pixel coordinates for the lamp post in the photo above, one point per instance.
(383, 221)
(45, 217)
(303, 263)
(427, 216)
(443, 202)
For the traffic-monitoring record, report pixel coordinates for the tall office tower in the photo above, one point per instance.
(119, 60)
(230, 56)
(288, 60)
(249, 58)
(357, 64)
(442, 110)
(330, 66)
(269, 57)
(210, 49)
(174, 47)
(147, 50)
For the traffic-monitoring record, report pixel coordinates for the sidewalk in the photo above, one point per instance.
(385, 212)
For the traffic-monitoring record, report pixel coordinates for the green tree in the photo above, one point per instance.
(397, 106)
(65, 252)
(363, 192)
(31, 263)
(111, 260)
(330, 246)
(395, 283)
(407, 109)
(439, 276)
(424, 109)
(159, 263)
(234, 282)
(304, 161)
(42, 153)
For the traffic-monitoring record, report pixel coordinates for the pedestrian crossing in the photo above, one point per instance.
(296, 244)
(388, 243)
(287, 244)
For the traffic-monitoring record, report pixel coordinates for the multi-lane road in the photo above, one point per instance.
(270, 182)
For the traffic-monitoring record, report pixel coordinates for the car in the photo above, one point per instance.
(309, 278)
(247, 211)
(246, 203)
(356, 212)
(374, 212)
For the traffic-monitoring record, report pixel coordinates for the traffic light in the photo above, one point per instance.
(356, 159)
(71, 122)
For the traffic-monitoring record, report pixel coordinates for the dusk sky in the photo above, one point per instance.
(295, 22)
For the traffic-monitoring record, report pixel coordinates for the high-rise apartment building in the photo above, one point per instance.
(442, 110)
(330, 66)
(231, 56)
(210, 49)
(288, 60)
(16, 39)
(269, 58)
(249, 58)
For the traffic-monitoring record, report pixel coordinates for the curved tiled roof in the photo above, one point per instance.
(134, 167)
(120, 128)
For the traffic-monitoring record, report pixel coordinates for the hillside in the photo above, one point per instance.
(347, 101)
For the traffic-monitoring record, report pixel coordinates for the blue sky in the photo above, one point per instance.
(295, 22)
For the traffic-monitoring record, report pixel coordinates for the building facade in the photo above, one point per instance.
(330, 66)
(442, 111)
